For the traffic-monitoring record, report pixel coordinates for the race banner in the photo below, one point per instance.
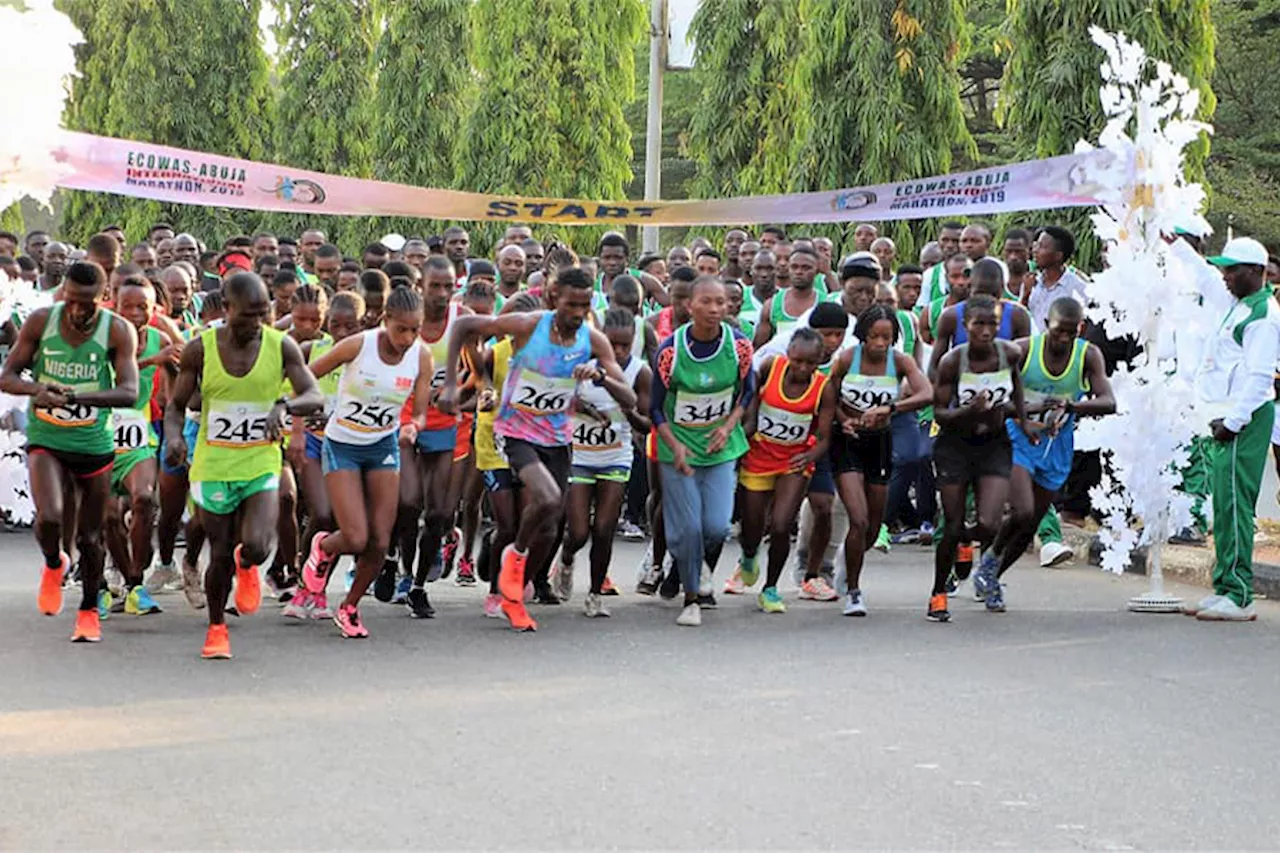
(177, 176)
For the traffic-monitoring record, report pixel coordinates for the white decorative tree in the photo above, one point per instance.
(1148, 290)
(38, 51)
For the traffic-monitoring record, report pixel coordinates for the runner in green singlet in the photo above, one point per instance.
(82, 363)
(133, 474)
(238, 368)
(782, 312)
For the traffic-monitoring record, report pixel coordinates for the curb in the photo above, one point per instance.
(1181, 563)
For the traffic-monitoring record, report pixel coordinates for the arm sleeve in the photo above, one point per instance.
(662, 362)
(1261, 348)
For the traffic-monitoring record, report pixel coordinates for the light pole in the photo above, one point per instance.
(653, 124)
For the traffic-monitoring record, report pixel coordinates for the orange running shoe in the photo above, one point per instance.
(938, 611)
(217, 644)
(248, 587)
(88, 628)
(511, 575)
(49, 599)
(518, 616)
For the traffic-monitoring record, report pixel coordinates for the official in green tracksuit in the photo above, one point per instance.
(1234, 383)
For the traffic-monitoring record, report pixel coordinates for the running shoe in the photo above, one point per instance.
(162, 575)
(734, 585)
(435, 569)
(910, 536)
(88, 628)
(817, 589)
(140, 603)
(629, 531)
(801, 567)
(49, 599)
(114, 580)
(1054, 554)
(607, 588)
(883, 544)
(594, 606)
(419, 605)
(770, 600)
(402, 590)
(1226, 610)
(466, 572)
(953, 583)
(319, 606)
(704, 581)
(926, 534)
(938, 611)
(299, 607)
(749, 569)
(529, 593)
(248, 585)
(448, 551)
(315, 570)
(193, 586)
(546, 595)
(1193, 608)
(690, 616)
(561, 579)
(649, 580)
(117, 602)
(981, 580)
(511, 576)
(384, 585)
(104, 604)
(217, 644)
(518, 616)
(995, 598)
(854, 605)
(493, 605)
(707, 601)
(348, 621)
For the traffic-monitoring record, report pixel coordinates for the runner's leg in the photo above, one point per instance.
(94, 493)
(789, 491)
(609, 495)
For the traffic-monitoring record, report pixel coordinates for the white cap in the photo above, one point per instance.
(393, 241)
(1241, 250)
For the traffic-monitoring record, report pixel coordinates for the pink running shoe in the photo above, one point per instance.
(348, 621)
(448, 550)
(320, 606)
(466, 573)
(493, 606)
(316, 569)
(734, 585)
(299, 607)
(817, 589)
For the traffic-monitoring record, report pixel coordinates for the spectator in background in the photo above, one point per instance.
(1054, 278)
(885, 252)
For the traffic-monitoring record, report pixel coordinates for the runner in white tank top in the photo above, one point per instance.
(361, 451)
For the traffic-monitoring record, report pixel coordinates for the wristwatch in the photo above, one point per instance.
(893, 408)
(284, 401)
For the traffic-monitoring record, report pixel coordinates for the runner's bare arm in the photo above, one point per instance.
(922, 326)
(1102, 400)
(920, 391)
(822, 423)
(307, 397)
(611, 377)
(638, 414)
(764, 328)
(751, 414)
(183, 389)
(654, 290)
(21, 357)
(343, 352)
(944, 389)
(422, 389)
(123, 343)
(943, 344)
(1020, 326)
(518, 326)
(1015, 370)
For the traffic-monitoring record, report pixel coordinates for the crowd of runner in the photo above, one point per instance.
(436, 415)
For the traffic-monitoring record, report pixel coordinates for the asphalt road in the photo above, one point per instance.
(1065, 723)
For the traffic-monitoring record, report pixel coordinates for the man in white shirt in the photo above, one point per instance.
(1235, 385)
(1053, 250)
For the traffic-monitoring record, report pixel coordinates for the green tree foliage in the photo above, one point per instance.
(424, 91)
(745, 66)
(1051, 81)
(325, 108)
(981, 71)
(1244, 169)
(11, 218)
(885, 99)
(555, 76)
(186, 73)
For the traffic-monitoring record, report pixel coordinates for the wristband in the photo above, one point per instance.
(893, 407)
(284, 401)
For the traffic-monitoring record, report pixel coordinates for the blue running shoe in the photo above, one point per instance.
(985, 576)
(995, 599)
(105, 601)
(139, 602)
(402, 590)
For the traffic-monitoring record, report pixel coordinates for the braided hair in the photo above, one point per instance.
(870, 317)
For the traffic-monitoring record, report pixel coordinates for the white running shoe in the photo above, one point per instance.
(594, 607)
(1054, 554)
(690, 617)
(561, 580)
(1192, 608)
(1226, 610)
(299, 607)
(705, 583)
(193, 586)
(853, 604)
(162, 574)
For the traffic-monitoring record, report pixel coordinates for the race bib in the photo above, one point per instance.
(130, 428)
(863, 393)
(369, 415)
(781, 426)
(591, 436)
(703, 410)
(538, 395)
(237, 424)
(998, 385)
(72, 414)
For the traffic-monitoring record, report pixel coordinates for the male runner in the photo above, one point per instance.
(238, 369)
(82, 363)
